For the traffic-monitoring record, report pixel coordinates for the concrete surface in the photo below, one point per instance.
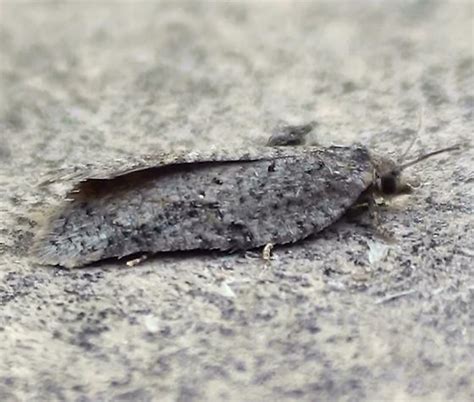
(341, 316)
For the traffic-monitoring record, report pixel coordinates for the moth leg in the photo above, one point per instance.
(136, 261)
(373, 211)
(365, 202)
(287, 135)
(374, 215)
(372, 219)
(406, 187)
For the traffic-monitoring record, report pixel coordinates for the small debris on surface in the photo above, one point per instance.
(136, 261)
(226, 290)
(151, 323)
(267, 252)
(284, 134)
(395, 296)
(377, 251)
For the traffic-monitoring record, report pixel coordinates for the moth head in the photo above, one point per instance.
(387, 176)
(389, 179)
(390, 182)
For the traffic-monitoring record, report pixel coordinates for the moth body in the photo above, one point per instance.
(233, 201)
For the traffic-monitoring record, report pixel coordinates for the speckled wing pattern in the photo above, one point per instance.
(222, 201)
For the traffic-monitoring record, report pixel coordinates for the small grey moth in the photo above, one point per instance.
(223, 200)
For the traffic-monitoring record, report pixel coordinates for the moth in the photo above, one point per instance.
(212, 200)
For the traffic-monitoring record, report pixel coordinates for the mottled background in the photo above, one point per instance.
(341, 316)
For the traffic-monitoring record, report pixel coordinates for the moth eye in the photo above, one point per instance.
(389, 184)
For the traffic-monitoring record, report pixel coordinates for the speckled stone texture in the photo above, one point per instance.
(344, 315)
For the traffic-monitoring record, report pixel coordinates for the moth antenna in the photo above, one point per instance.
(415, 137)
(429, 155)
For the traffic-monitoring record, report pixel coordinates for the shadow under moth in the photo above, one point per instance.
(226, 200)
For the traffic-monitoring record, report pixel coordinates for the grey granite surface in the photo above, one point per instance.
(344, 315)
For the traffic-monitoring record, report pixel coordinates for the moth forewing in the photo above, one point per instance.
(229, 203)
